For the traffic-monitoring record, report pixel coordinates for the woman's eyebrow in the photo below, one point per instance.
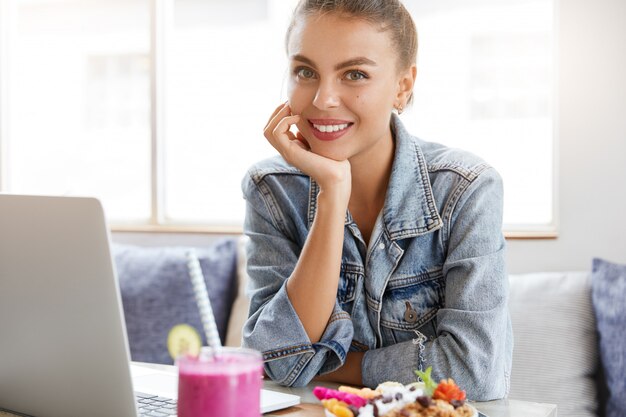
(361, 60)
(304, 59)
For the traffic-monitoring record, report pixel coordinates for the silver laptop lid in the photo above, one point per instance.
(63, 347)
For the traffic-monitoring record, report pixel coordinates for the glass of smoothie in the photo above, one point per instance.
(225, 382)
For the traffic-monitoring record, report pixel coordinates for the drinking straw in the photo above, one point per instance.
(202, 300)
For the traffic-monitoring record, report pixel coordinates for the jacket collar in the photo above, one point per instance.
(409, 208)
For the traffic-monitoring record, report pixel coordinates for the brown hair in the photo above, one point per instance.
(390, 14)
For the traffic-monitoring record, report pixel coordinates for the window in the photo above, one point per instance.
(157, 106)
(76, 114)
(225, 66)
(485, 84)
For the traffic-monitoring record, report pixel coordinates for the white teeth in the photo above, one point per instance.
(330, 128)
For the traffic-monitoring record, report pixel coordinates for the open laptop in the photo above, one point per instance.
(63, 345)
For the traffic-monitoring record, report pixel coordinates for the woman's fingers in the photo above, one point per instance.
(277, 129)
(281, 135)
(282, 109)
(294, 147)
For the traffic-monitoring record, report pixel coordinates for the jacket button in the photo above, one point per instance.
(410, 315)
(381, 246)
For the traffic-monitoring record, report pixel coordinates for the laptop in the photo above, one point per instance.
(63, 345)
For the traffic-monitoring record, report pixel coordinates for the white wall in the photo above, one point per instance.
(591, 142)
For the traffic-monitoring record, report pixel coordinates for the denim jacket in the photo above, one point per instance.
(429, 290)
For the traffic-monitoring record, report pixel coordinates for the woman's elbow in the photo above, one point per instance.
(488, 380)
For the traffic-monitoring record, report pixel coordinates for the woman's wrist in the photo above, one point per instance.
(336, 183)
(335, 191)
(349, 373)
(333, 200)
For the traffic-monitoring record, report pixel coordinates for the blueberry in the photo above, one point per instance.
(424, 401)
(457, 403)
(387, 399)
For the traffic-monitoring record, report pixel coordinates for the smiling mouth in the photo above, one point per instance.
(330, 128)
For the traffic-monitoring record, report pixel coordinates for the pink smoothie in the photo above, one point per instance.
(226, 385)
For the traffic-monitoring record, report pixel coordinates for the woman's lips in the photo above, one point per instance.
(329, 129)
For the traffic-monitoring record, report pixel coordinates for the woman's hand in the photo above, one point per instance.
(333, 177)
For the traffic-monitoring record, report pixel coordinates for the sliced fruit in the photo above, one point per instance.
(183, 339)
(448, 390)
(366, 393)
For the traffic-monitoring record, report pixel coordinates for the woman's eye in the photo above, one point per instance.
(355, 75)
(305, 73)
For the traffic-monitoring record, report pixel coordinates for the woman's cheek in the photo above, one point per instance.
(304, 129)
(292, 94)
(295, 102)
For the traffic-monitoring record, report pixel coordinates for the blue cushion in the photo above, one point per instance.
(157, 293)
(609, 302)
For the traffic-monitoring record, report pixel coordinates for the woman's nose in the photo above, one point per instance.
(327, 96)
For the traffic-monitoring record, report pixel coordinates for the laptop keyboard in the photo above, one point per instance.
(154, 406)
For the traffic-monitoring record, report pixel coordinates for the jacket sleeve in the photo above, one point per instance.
(273, 326)
(474, 340)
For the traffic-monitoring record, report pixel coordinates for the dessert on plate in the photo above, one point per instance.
(392, 399)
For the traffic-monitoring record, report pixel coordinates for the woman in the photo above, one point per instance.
(372, 253)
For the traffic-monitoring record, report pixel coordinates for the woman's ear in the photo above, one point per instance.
(405, 85)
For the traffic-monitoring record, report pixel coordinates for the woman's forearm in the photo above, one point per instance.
(349, 373)
(312, 287)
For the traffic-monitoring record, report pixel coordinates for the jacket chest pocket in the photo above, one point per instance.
(410, 304)
(349, 279)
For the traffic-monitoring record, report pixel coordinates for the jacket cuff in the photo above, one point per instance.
(392, 363)
(290, 357)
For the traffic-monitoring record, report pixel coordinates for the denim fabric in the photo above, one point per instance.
(430, 289)
(608, 285)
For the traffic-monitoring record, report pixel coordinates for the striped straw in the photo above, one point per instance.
(202, 300)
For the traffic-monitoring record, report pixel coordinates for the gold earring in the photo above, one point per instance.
(400, 109)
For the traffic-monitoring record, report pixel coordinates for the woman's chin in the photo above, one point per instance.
(334, 154)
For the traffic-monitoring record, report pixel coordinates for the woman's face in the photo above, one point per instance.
(344, 83)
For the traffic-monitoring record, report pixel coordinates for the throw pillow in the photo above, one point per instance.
(555, 353)
(157, 293)
(241, 305)
(609, 302)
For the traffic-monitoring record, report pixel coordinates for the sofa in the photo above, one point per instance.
(558, 320)
(555, 357)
